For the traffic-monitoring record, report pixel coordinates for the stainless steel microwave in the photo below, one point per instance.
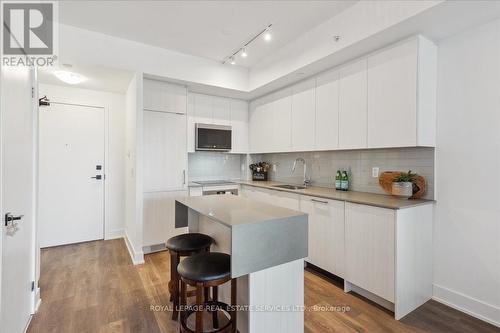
(213, 137)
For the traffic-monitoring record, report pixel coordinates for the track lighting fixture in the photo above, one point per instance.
(242, 51)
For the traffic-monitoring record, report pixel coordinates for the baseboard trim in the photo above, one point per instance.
(114, 234)
(471, 306)
(38, 300)
(137, 257)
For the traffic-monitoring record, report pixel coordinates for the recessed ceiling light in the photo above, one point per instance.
(70, 77)
(244, 53)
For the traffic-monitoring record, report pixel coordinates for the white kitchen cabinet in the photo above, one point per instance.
(207, 109)
(164, 97)
(401, 95)
(326, 233)
(281, 135)
(353, 105)
(369, 249)
(260, 125)
(165, 155)
(239, 126)
(327, 111)
(273, 197)
(159, 217)
(303, 115)
(221, 111)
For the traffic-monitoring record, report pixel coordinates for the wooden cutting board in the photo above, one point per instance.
(419, 187)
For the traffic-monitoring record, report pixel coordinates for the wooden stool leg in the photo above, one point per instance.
(174, 260)
(215, 298)
(199, 303)
(183, 300)
(206, 293)
(233, 312)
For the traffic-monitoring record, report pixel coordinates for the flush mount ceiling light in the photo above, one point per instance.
(242, 51)
(69, 77)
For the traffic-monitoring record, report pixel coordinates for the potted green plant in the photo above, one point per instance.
(402, 186)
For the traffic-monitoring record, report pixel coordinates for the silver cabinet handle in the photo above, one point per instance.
(319, 201)
(183, 177)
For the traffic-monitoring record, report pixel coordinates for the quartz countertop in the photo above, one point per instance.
(232, 210)
(371, 199)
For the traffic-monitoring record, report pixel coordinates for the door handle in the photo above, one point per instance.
(183, 177)
(10, 219)
(319, 201)
(98, 177)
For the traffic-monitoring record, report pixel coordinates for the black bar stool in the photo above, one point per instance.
(183, 246)
(203, 271)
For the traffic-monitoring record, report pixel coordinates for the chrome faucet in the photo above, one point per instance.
(300, 159)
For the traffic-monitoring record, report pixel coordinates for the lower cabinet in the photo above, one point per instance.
(159, 217)
(326, 233)
(274, 197)
(369, 248)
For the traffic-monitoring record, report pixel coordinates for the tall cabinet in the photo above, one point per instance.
(165, 159)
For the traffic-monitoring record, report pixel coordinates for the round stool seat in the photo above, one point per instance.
(206, 267)
(189, 242)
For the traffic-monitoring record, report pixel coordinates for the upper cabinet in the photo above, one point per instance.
(207, 109)
(303, 115)
(327, 111)
(164, 97)
(385, 99)
(402, 95)
(352, 105)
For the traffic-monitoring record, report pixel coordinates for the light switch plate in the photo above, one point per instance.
(375, 171)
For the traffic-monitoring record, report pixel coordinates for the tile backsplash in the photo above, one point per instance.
(214, 166)
(322, 166)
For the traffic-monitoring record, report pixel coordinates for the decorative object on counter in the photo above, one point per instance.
(390, 180)
(338, 180)
(259, 170)
(344, 182)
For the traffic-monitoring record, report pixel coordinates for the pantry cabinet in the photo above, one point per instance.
(327, 111)
(401, 95)
(303, 116)
(326, 233)
(207, 109)
(164, 97)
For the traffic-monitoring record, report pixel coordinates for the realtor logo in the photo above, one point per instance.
(28, 33)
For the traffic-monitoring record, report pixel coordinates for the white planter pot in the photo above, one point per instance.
(402, 189)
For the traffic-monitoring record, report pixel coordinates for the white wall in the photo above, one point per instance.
(114, 105)
(81, 46)
(467, 215)
(133, 169)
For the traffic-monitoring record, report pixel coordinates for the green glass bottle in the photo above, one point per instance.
(344, 183)
(338, 180)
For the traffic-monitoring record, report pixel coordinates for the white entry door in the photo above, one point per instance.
(17, 198)
(71, 174)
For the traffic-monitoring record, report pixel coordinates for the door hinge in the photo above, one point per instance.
(32, 285)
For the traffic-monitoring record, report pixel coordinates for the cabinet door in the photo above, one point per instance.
(327, 111)
(326, 233)
(159, 217)
(369, 249)
(303, 111)
(163, 96)
(165, 153)
(191, 121)
(203, 109)
(261, 126)
(392, 97)
(239, 124)
(352, 105)
(282, 116)
(221, 111)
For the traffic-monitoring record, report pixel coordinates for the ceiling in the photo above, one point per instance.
(96, 78)
(209, 29)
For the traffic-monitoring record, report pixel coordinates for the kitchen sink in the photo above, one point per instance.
(290, 187)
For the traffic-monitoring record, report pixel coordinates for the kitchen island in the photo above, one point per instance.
(267, 246)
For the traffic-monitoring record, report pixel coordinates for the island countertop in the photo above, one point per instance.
(232, 210)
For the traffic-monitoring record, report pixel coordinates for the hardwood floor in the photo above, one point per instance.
(93, 287)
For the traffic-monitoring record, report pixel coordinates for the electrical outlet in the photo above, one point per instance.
(375, 171)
